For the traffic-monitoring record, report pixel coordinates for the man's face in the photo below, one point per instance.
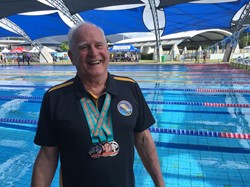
(90, 53)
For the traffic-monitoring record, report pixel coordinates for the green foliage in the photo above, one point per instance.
(64, 46)
(147, 56)
(244, 40)
(108, 40)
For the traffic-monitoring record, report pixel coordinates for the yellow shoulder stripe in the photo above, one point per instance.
(61, 85)
(124, 79)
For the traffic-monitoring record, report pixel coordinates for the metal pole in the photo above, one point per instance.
(156, 28)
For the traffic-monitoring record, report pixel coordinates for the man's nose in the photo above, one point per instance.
(93, 51)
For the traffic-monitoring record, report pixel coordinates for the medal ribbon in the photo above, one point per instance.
(100, 123)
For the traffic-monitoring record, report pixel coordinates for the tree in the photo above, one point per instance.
(244, 40)
(64, 46)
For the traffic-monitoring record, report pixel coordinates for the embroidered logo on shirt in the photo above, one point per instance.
(125, 108)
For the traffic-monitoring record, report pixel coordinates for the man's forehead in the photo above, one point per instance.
(80, 43)
(86, 35)
(88, 29)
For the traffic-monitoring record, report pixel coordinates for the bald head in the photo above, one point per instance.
(83, 27)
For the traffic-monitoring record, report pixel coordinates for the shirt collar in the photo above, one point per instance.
(81, 92)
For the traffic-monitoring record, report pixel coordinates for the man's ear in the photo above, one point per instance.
(70, 54)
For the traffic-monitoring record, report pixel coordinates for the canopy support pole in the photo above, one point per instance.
(156, 28)
(60, 5)
(237, 29)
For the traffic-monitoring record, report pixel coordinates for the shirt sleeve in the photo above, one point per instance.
(46, 134)
(145, 118)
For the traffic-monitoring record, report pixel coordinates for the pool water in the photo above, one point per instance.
(202, 129)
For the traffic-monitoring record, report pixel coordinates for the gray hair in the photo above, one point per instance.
(75, 27)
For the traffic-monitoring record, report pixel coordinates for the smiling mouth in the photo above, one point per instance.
(94, 62)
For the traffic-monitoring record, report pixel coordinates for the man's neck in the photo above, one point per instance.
(96, 86)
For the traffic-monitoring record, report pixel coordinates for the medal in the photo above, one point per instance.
(110, 148)
(115, 148)
(95, 151)
(107, 149)
(100, 126)
(104, 149)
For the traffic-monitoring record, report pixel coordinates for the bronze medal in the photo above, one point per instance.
(107, 149)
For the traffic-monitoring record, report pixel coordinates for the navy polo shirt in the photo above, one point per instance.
(62, 123)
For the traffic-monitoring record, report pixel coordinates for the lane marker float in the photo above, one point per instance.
(200, 133)
(158, 130)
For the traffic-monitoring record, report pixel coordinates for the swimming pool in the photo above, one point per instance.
(202, 121)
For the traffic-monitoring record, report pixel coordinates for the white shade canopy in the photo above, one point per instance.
(247, 47)
(5, 50)
(36, 50)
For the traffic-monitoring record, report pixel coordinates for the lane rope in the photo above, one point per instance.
(157, 130)
(25, 86)
(155, 81)
(14, 120)
(200, 133)
(163, 89)
(206, 104)
(198, 90)
(21, 97)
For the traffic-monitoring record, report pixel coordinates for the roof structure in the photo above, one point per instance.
(76, 6)
(123, 48)
(182, 39)
(36, 50)
(117, 21)
(161, 17)
(201, 15)
(131, 16)
(11, 7)
(39, 26)
(166, 3)
(18, 50)
(47, 41)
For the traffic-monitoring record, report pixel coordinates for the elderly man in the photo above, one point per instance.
(93, 121)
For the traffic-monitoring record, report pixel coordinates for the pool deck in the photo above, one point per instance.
(127, 63)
